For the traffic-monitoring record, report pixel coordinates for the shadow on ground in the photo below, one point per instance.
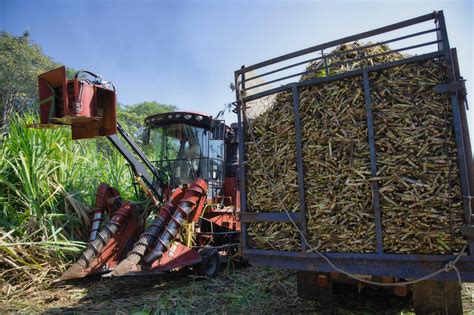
(247, 290)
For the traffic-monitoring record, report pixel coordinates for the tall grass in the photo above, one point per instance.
(47, 184)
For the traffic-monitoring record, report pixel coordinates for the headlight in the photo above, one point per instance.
(187, 116)
(198, 118)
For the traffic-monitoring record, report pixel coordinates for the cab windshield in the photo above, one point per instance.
(178, 150)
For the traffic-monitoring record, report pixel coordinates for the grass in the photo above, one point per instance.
(47, 183)
(252, 290)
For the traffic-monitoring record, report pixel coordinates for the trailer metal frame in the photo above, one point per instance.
(379, 263)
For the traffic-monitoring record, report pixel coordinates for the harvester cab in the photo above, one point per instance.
(188, 145)
(186, 167)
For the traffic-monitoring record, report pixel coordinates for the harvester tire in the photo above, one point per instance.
(210, 265)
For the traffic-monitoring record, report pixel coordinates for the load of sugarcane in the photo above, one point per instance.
(418, 175)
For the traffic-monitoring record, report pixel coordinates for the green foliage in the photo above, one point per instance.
(47, 187)
(133, 116)
(20, 63)
(46, 181)
(70, 73)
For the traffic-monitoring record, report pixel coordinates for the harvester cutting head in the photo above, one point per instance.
(87, 103)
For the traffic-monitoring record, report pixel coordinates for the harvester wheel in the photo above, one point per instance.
(210, 265)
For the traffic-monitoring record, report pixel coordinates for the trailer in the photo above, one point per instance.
(435, 277)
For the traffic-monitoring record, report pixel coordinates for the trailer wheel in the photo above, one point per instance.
(210, 265)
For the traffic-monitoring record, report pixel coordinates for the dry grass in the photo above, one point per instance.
(251, 290)
(28, 266)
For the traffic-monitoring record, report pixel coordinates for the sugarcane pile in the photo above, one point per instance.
(416, 160)
(420, 191)
(274, 136)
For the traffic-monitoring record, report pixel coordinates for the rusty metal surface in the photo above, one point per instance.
(89, 108)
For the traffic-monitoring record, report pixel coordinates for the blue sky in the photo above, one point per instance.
(185, 52)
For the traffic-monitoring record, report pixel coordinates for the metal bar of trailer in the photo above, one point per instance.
(343, 75)
(326, 67)
(219, 233)
(252, 217)
(467, 144)
(344, 62)
(397, 269)
(299, 167)
(343, 40)
(359, 256)
(385, 53)
(334, 54)
(373, 163)
(457, 123)
(242, 178)
(286, 87)
(285, 68)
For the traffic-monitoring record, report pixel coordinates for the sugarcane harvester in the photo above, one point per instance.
(194, 179)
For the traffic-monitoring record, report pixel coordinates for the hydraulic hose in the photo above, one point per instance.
(189, 202)
(95, 247)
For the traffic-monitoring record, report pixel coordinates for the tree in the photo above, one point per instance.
(133, 116)
(21, 61)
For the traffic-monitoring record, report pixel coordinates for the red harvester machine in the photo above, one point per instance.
(193, 179)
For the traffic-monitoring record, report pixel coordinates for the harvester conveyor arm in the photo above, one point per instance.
(141, 168)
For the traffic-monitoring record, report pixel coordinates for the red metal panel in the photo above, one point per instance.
(85, 130)
(178, 255)
(231, 185)
(229, 220)
(54, 80)
(116, 247)
(89, 108)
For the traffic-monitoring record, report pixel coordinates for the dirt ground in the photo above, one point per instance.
(247, 290)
